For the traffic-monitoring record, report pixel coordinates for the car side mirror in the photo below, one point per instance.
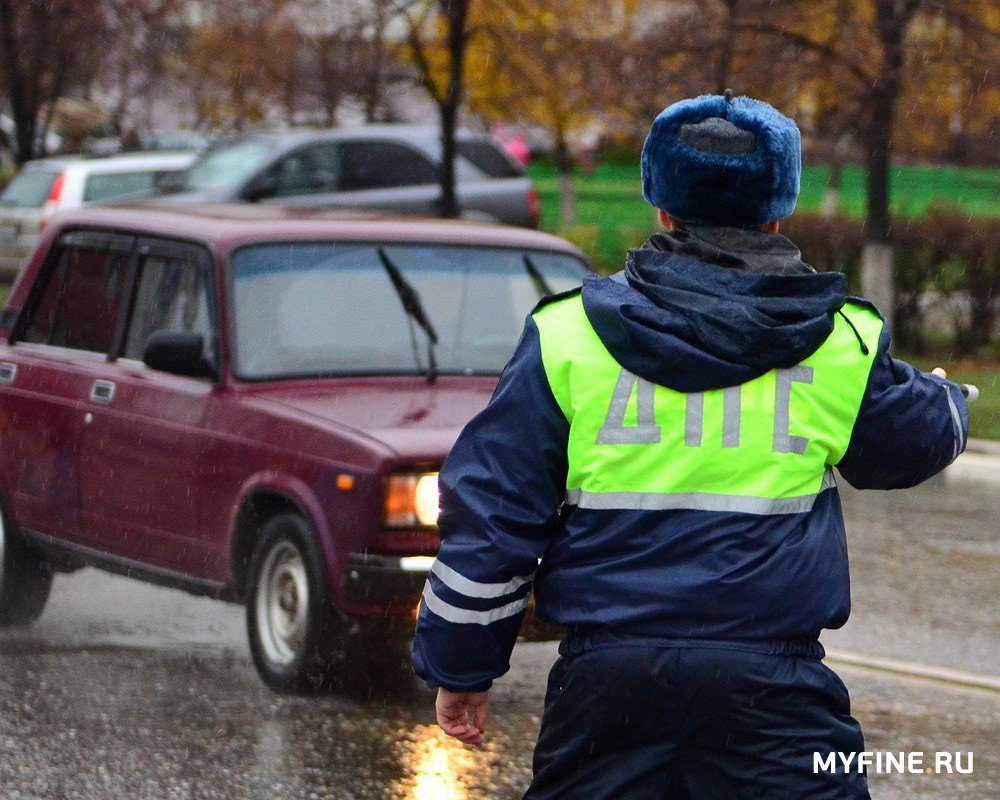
(260, 188)
(179, 353)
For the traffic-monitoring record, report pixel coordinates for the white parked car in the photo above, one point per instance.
(45, 187)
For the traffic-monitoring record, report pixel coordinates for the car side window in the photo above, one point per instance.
(173, 295)
(312, 170)
(79, 303)
(103, 186)
(489, 159)
(383, 165)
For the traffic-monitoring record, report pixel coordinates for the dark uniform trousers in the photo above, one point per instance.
(647, 719)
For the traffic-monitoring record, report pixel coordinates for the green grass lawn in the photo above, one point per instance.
(612, 193)
(984, 414)
(612, 216)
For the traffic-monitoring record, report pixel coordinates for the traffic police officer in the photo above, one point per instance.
(656, 465)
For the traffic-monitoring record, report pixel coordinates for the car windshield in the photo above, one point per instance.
(225, 167)
(29, 189)
(319, 309)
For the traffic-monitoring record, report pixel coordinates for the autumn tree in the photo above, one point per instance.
(877, 47)
(335, 49)
(142, 39)
(669, 51)
(47, 48)
(230, 60)
(436, 39)
(551, 63)
(376, 65)
(952, 95)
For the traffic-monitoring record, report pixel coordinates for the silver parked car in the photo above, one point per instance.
(47, 186)
(389, 167)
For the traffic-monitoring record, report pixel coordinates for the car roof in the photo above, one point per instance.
(228, 225)
(167, 160)
(416, 134)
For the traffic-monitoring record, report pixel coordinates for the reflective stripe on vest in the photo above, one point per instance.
(765, 447)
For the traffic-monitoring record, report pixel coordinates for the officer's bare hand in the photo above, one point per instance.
(939, 371)
(453, 710)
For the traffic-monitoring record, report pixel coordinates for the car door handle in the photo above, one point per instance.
(8, 372)
(102, 392)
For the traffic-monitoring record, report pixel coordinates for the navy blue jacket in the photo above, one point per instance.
(680, 575)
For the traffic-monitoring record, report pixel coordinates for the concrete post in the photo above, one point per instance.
(876, 278)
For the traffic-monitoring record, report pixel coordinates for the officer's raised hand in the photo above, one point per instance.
(453, 714)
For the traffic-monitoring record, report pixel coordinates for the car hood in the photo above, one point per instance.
(416, 419)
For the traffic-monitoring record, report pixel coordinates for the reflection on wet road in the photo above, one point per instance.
(127, 691)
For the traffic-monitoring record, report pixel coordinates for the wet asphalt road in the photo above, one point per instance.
(127, 691)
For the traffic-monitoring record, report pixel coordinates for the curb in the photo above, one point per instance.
(911, 669)
(984, 447)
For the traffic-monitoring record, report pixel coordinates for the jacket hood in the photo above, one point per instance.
(697, 309)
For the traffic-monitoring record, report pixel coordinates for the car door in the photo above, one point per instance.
(145, 456)
(302, 177)
(377, 174)
(59, 348)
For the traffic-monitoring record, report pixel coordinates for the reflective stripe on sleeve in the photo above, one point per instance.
(957, 419)
(470, 588)
(452, 613)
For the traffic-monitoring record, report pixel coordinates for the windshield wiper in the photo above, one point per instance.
(541, 285)
(410, 299)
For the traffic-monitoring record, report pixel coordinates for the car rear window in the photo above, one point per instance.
(488, 157)
(315, 309)
(108, 185)
(30, 189)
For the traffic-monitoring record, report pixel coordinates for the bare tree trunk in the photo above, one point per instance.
(456, 14)
(831, 196)
(331, 78)
(23, 103)
(877, 278)
(375, 91)
(449, 148)
(877, 260)
(289, 91)
(567, 193)
(724, 65)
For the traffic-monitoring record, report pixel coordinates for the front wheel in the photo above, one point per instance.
(292, 624)
(25, 580)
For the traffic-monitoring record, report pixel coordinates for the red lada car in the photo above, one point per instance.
(252, 404)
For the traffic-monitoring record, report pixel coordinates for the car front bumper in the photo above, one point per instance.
(386, 580)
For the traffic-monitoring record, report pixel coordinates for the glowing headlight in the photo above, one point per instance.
(427, 500)
(411, 499)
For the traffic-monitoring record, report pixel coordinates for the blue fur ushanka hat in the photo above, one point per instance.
(717, 160)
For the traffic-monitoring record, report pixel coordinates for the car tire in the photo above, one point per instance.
(25, 580)
(293, 626)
